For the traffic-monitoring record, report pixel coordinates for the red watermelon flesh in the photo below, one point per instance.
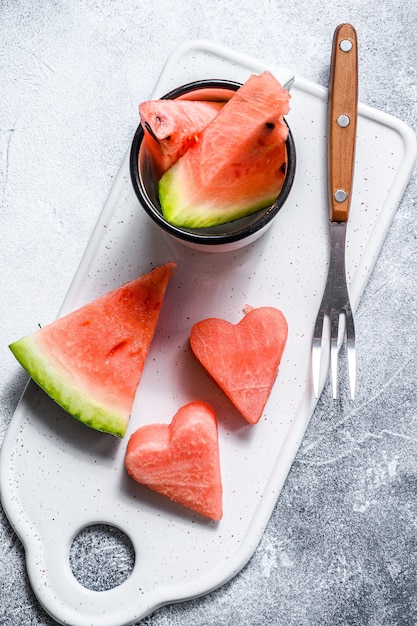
(91, 360)
(243, 358)
(238, 164)
(171, 127)
(180, 460)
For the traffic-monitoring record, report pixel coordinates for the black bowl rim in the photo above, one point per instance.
(192, 236)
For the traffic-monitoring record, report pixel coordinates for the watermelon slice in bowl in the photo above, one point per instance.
(232, 176)
(171, 127)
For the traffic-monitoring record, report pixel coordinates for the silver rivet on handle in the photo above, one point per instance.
(345, 45)
(340, 195)
(343, 120)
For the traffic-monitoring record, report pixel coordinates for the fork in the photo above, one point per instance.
(341, 140)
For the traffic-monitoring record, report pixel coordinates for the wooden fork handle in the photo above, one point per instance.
(342, 116)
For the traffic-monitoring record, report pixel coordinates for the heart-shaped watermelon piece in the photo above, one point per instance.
(180, 460)
(243, 358)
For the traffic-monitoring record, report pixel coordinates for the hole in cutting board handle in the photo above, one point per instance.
(101, 557)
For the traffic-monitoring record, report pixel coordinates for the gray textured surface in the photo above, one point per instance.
(340, 548)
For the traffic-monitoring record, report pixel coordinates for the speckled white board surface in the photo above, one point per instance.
(57, 476)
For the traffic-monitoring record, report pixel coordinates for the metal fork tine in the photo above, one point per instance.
(317, 349)
(334, 333)
(351, 351)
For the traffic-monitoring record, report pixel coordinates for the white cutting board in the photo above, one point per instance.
(57, 476)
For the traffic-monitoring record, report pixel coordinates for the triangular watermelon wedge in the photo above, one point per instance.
(180, 460)
(91, 360)
(171, 127)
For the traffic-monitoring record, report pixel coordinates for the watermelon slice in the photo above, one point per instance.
(91, 360)
(243, 358)
(172, 126)
(180, 460)
(238, 164)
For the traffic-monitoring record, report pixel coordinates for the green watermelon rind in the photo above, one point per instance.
(71, 398)
(172, 189)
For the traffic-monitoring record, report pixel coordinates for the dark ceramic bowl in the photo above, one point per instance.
(223, 237)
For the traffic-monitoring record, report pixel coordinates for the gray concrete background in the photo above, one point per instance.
(340, 548)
